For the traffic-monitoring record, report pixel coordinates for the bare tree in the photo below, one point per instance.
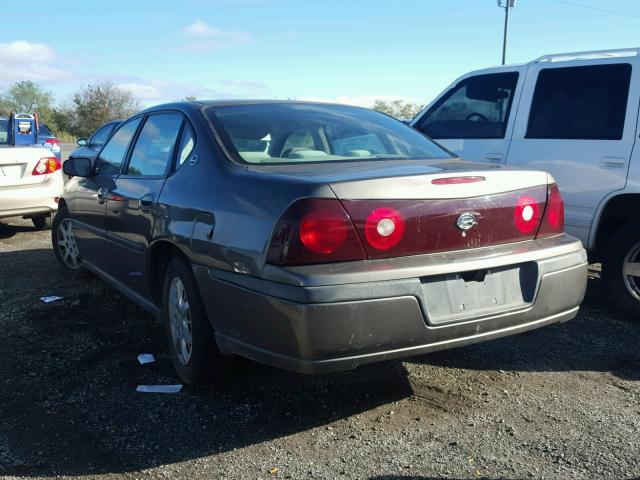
(100, 103)
(398, 108)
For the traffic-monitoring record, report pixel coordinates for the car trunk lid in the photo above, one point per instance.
(17, 164)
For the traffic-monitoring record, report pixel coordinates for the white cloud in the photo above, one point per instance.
(200, 29)
(22, 60)
(151, 92)
(360, 100)
(245, 84)
(206, 37)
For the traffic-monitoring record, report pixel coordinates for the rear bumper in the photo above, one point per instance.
(38, 199)
(324, 328)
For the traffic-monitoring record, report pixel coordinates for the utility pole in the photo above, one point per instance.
(507, 5)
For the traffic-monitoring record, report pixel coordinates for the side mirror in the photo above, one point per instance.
(78, 167)
(82, 142)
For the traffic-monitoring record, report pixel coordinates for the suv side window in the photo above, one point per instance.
(112, 155)
(478, 107)
(580, 102)
(153, 151)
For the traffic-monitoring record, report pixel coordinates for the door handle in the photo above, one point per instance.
(102, 195)
(146, 202)
(494, 157)
(613, 162)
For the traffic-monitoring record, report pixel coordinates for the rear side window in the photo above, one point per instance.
(112, 155)
(478, 107)
(154, 148)
(187, 142)
(586, 103)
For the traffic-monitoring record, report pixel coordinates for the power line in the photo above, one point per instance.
(601, 10)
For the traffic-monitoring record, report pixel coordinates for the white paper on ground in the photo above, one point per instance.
(51, 298)
(144, 358)
(159, 388)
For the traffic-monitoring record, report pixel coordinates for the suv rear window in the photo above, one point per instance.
(580, 102)
(306, 132)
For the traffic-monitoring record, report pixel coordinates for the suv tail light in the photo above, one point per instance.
(314, 231)
(47, 165)
(553, 218)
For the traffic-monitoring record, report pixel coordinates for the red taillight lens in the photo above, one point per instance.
(322, 231)
(384, 228)
(553, 220)
(526, 214)
(47, 165)
(314, 231)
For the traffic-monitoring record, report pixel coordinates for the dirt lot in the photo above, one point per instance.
(561, 402)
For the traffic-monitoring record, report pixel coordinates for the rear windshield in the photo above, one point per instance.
(4, 127)
(298, 133)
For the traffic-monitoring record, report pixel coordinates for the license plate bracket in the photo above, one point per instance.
(471, 294)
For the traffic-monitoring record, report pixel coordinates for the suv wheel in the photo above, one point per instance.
(622, 269)
(192, 343)
(42, 221)
(65, 248)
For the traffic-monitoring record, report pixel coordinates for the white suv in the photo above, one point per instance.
(576, 116)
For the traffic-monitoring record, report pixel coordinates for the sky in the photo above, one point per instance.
(349, 51)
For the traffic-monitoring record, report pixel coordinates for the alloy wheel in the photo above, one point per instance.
(180, 321)
(67, 246)
(631, 271)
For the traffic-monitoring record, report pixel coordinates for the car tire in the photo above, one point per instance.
(64, 245)
(192, 343)
(622, 250)
(42, 221)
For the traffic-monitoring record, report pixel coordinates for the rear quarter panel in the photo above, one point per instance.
(245, 207)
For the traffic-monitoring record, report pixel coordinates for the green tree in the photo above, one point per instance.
(29, 97)
(398, 108)
(100, 103)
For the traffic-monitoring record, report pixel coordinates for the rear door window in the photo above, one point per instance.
(478, 107)
(109, 161)
(580, 103)
(153, 151)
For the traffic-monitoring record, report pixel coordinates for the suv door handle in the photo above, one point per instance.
(613, 162)
(146, 202)
(102, 195)
(494, 157)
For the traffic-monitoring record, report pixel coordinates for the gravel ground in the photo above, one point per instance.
(560, 402)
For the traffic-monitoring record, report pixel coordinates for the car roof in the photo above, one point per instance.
(200, 104)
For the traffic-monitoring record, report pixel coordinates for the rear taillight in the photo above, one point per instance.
(47, 165)
(53, 144)
(553, 218)
(395, 228)
(526, 214)
(329, 230)
(384, 228)
(314, 231)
